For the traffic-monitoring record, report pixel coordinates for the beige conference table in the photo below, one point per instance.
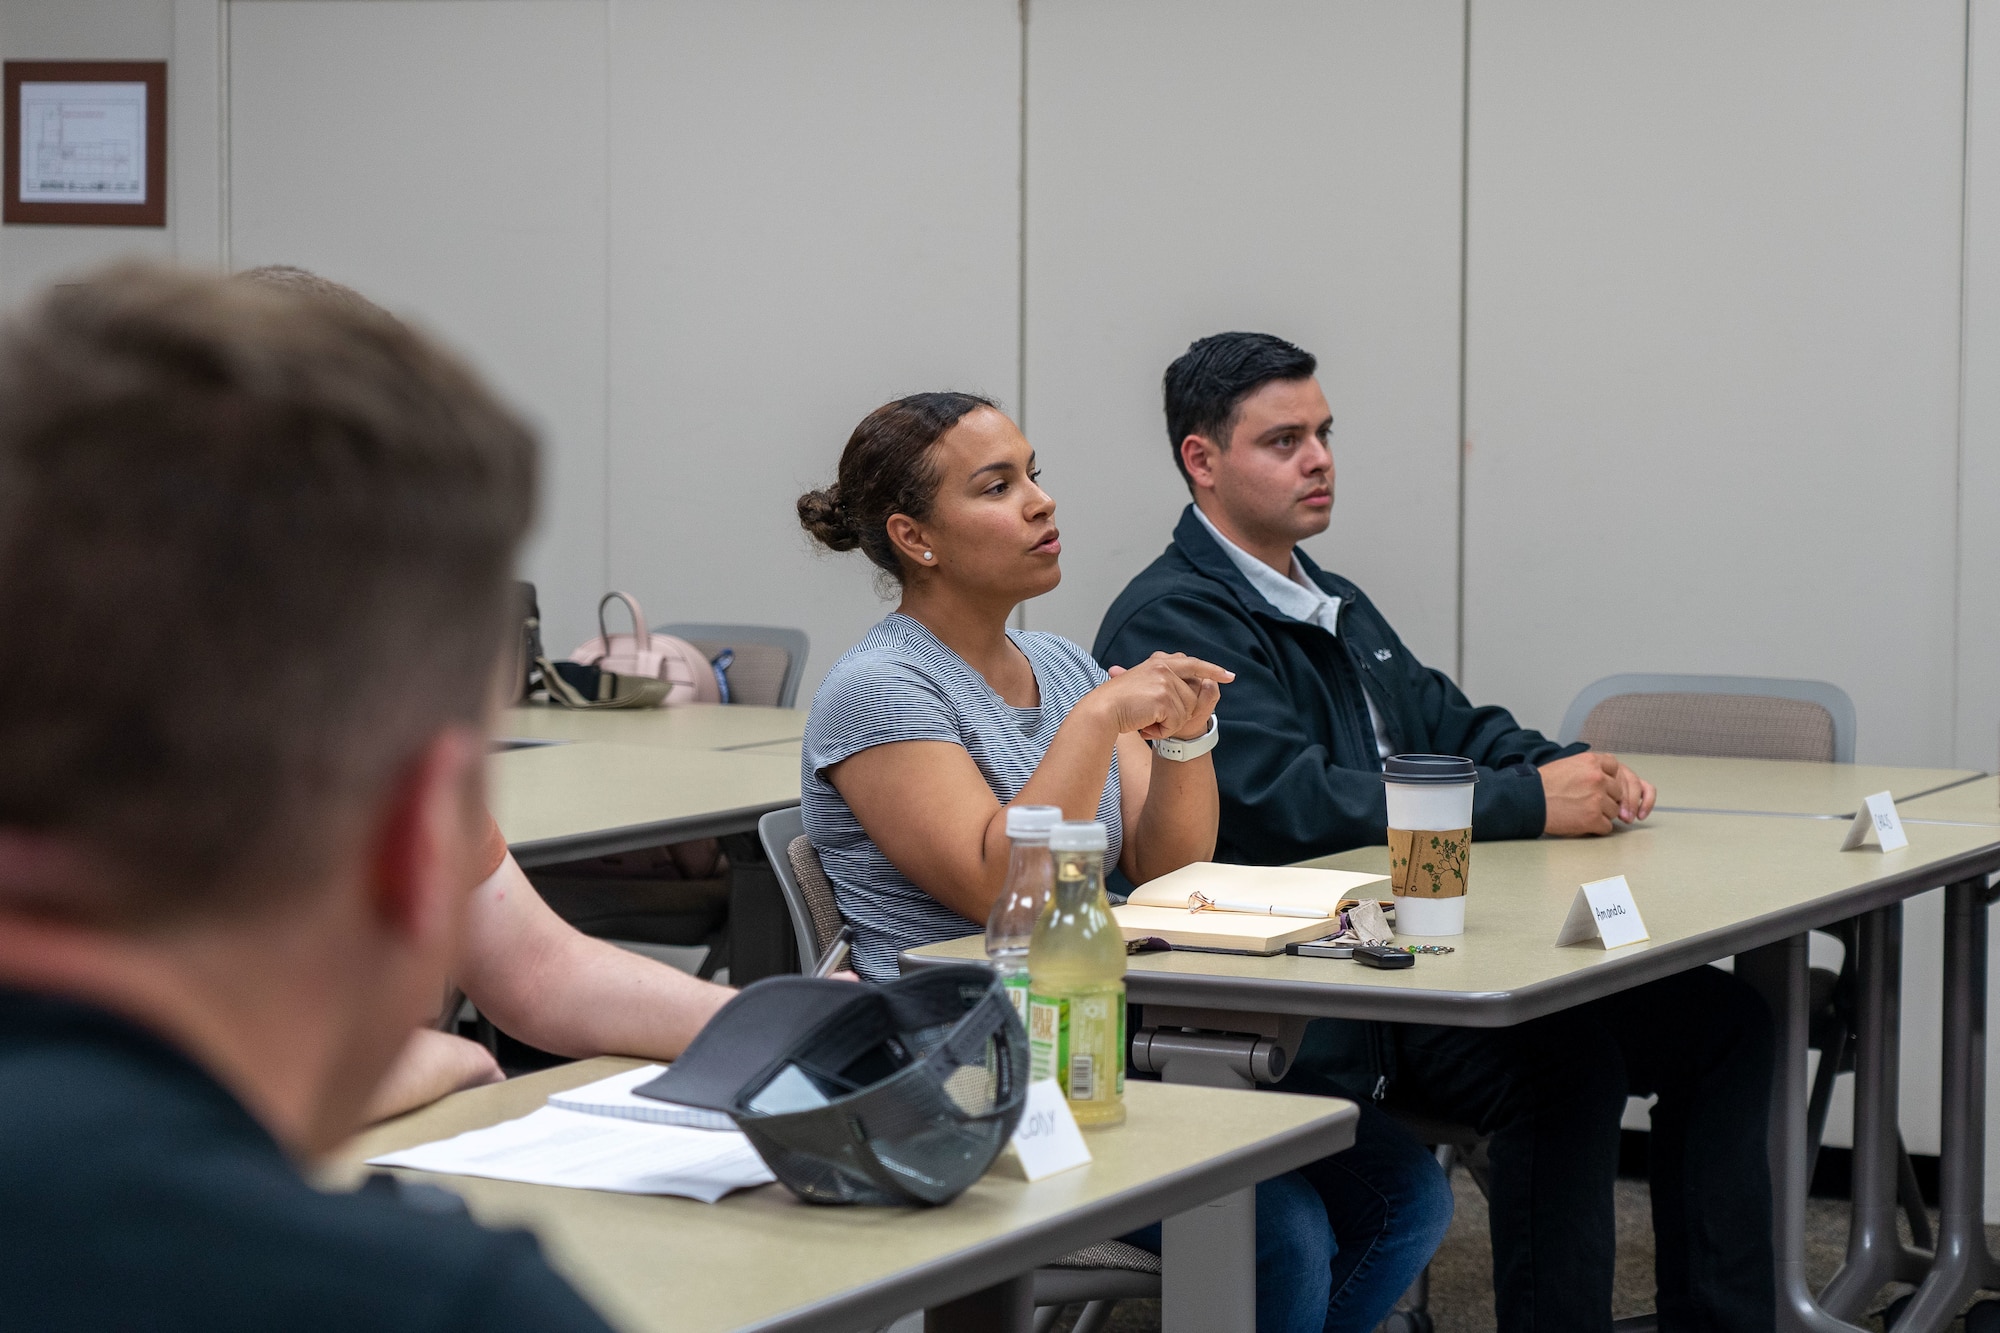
(1975, 802)
(565, 802)
(570, 800)
(689, 727)
(792, 750)
(761, 1260)
(1709, 886)
(1691, 784)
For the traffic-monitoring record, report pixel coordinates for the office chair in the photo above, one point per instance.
(641, 897)
(1720, 717)
(768, 663)
(1097, 1276)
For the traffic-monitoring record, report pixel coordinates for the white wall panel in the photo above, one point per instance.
(1979, 470)
(813, 212)
(1712, 360)
(1290, 166)
(1979, 458)
(447, 159)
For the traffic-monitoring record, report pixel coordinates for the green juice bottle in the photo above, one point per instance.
(1076, 971)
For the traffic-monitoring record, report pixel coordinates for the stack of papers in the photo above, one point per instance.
(580, 1150)
(614, 1096)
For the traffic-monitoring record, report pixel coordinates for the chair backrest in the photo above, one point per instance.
(801, 878)
(769, 664)
(1732, 717)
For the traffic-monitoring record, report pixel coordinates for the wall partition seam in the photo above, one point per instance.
(1958, 424)
(610, 290)
(225, 241)
(1021, 264)
(1464, 245)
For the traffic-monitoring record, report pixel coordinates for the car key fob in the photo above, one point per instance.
(1381, 955)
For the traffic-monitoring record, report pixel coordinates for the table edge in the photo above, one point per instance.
(950, 1277)
(535, 852)
(1505, 1008)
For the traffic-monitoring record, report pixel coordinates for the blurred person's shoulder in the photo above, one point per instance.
(141, 1194)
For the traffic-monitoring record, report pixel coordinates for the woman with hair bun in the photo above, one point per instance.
(942, 716)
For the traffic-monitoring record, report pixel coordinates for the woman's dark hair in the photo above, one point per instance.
(886, 469)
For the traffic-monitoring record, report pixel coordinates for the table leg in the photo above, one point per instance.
(1208, 1255)
(1963, 1263)
(1208, 1266)
(1778, 973)
(1876, 1253)
(760, 928)
(1005, 1307)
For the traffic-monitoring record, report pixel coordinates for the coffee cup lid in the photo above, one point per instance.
(1428, 770)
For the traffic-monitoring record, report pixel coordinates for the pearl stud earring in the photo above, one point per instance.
(927, 555)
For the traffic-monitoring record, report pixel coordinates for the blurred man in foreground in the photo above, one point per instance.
(254, 563)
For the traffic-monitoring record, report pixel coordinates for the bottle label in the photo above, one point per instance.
(1048, 1036)
(1017, 993)
(1079, 1040)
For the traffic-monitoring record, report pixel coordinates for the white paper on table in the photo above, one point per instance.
(577, 1150)
(614, 1096)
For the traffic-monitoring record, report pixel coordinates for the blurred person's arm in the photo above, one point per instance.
(431, 1065)
(542, 981)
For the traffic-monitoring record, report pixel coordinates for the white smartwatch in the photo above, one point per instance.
(1181, 751)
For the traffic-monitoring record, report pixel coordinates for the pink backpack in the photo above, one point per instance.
(689, 676)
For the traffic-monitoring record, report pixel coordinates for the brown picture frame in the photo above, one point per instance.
(151, 213)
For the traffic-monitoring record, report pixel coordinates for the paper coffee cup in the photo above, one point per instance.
(1430, 840)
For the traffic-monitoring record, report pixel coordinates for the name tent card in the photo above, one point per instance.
(1047, 1140)
(1605, 911)
(1876, 817)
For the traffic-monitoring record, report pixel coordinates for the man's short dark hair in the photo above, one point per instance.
(1206, 383)
(255, 551)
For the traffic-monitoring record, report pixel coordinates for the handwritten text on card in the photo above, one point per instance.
(1603, 910)
(1047, 1140)
(1877, 818)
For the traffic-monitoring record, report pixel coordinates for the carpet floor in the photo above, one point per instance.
(1462, 1272)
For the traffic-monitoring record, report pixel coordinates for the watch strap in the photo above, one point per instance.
(1180, 751)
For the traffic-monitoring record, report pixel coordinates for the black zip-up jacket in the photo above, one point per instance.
(1296, 762)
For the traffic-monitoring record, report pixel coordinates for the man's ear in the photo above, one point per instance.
(1199, 455)
(426, 834)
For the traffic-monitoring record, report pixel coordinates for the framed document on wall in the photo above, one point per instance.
(86, 142)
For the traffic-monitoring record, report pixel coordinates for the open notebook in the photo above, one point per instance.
(1257, 909)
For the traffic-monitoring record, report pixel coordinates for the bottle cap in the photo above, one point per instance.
(1032, 821)
(1078, 835)
(1428, 770)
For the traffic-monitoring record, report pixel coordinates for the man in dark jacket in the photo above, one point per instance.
(232, 881)
(1324, 691)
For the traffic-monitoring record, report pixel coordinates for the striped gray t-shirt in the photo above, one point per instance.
(900, 684)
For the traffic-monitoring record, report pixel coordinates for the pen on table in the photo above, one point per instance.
(836, 953)
(1201, 902)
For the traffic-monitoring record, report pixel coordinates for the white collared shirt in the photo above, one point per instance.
(1301, 599)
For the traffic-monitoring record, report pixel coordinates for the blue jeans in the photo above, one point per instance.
(1340, 1239)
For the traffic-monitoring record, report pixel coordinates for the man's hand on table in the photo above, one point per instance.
(1590, 794)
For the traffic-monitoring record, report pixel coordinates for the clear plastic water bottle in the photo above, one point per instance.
(1076, 1012)
(1030, 875)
